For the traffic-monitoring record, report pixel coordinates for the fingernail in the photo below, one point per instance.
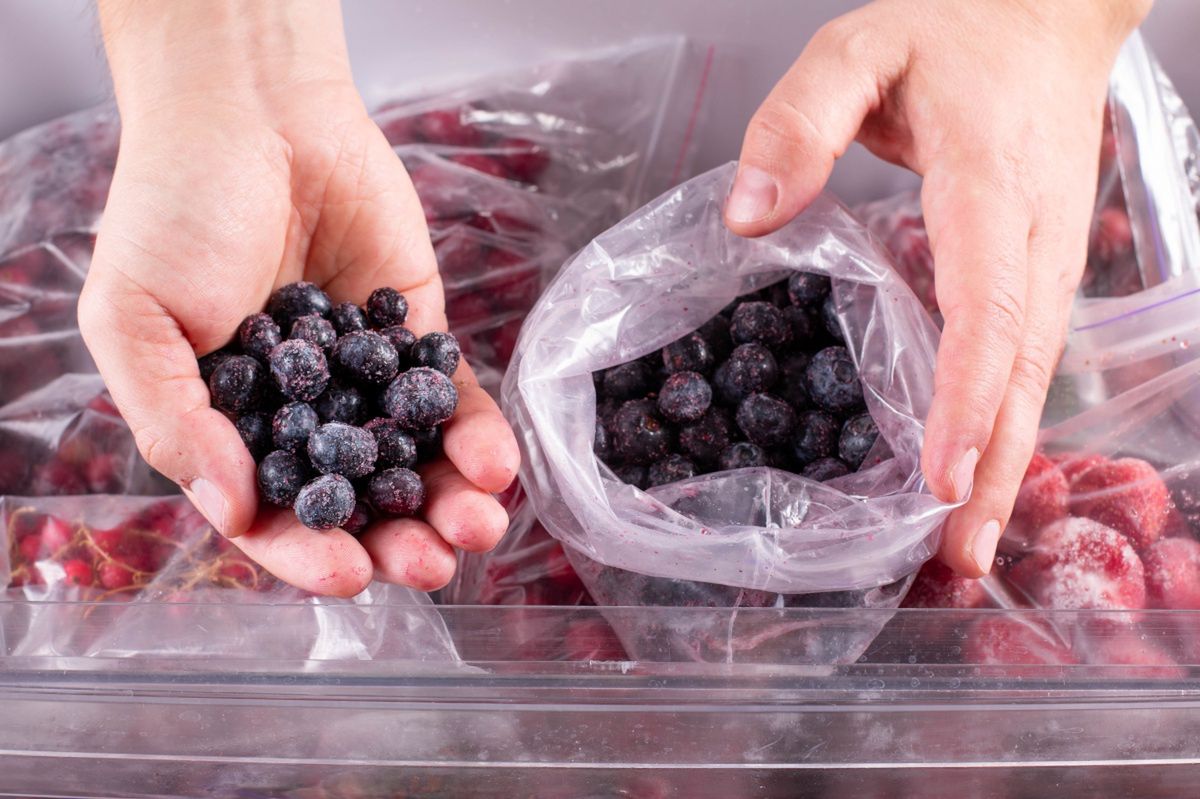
(983, 548)
(753, 196)
(209, 501)
(962, 476)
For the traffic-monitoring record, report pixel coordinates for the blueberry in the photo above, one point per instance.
(387, 307)
(437, 351)
(292, 425)
(776, 294)
(237, 384)
(806, 330)
(742, 455)
(759, 323)
(670, 469)
(396, 446)
(360, 519)
(627, 381)
(258, 334)
(634, 474)
(705, 440)
(337, 448)
(830, 318)
(716, 333)
(281, 475)
(684, 397)
(600, 441)
(255, 430)
(348, 318)
(403, 340)
(396, 492)
(299, 369)
(691, 353)
(326, 502)
(751, 368)
(816, 437)
(858, 436)
(209, 363)
(295, 300)
(825, 469)
(639, 435)
(792, 386)
(766, 420)
(807, 289)
(316, 329)
(366, 358)
(342, 402)
(833, 381)
(420, 398)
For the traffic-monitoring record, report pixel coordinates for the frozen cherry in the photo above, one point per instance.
(337, 448)
(420, 398)
(387, 307)
(325, 502)
(292, 425)
(237, 384)
(281, 475)
(396, 492)
(299, 369)
(438, 351)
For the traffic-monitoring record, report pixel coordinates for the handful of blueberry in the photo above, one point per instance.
(337, 404)
(767, 382)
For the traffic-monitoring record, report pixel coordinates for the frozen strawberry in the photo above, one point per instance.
(591, 639)
(482, 163)
(1173, 574)
(525, 160)
(1080, 564)
(1127, 648)
(1008, 640)
(1125, 494)
(1073, 465)
(937, 586)
(448, 126)
(1043, 498)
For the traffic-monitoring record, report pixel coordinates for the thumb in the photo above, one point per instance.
(151, 371)
(807, 122)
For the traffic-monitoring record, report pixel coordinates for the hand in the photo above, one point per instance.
(248, 161)
(998, 105)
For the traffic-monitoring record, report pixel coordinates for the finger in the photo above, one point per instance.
(410, 552)
(477, 439)
(979, 234)
(808, 120)
(466, 516)
(326, 562)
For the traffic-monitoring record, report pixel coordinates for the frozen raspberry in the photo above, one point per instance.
(816, 437)
(1173, 574)
(396, 492)
(325, 503)
(1042, 499)
(805, 327)
(670, 469)
(387, 307)
(482, 163)
(403, 340)
(627, 381)
(705, 440)
(292, 425)
(255, 430)
(1080, 564)
(295, 300)
(1125, 494)
(348, 318)
(360, 519)
(833, 381)
(716, 332)
(316, 329)
(857, 438)
(299, 369)
(751, 369)
(281, 475)
(688, 354)
(448, 126)
(1073, 465)
(420, 398)
(639, 435)
(78, 572)
(633, 474)
(237, 384)
(766, 420)
(524, 160)
(937, 586)
(998, 640)
(684, 397)
(396, 447)
(759, 323)
(366, 358)
(337, 448)
(829, 318)
(258, 334)
(807, 289)
(742, 455)
(825, 469)
(342, 402)
(438, 351)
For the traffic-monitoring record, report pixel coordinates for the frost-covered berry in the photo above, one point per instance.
(627, 381)
(833, 381)
(816, 437)
(281, 475)
(255, 430)
(348, 318)
(420, 398)
(292, 425)
(396, 446)
(325, 502)
(342, 402)
(807, 289)
(670, 469)
(366, 357)
(258, 334)
(337, 448)
(299, 369)
(825, 469)
(437, 351)
(691, 353)
(857, 438)
(316, 329)
(237, 384)
(387, 307)
(742, 455)
(766, 420)
(639, 435)
(761, 323)
(396, 492)
(295, 300)
(684, 397)
(751, 369)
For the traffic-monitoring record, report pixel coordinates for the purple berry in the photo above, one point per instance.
(670, 469)
(325, 503)
(387, 307)
(759, 323)
(633, 474)
(396, 492)
(316, 329)
(806, 330)
(237, 384)
(830, 318)
(825, 469)
(295, 300)
(639, 435)
(337, 448)
(858, 436)
(360, 519)
(807, 289)
(705, 440)
(403, 340)
(348, 318)
(420, 398)
(833, 381)
(255, 430)
(209, 363)
(766, 420)
(627, 381)
(684, 397)
(342, 402)
(366, 358)
(292, 425)
(281, 475)
(816, 437)
(299, 369)
(751, 369)
(258, 334)
(396, 447)
(742, 455)
(437, 351)
(689, 354)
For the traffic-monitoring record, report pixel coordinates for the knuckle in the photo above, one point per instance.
(151, 442)
(848, 39)
(1033, 369)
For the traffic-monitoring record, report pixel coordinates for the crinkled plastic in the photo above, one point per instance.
(661, 273)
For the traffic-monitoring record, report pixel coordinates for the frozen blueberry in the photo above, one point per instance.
(387, 307)
(766, 420)
(688, 354)
(360, 519)
(716, 333)
(825, 469)
(316, 329)
(337, 448)
(209, 363)
(806, 330)
(299, 369)
(751, 368)
(420, 398)
(833, 381)
(628, 381)
(281, 475)
(670, 469)
(295, 300)
(742, 455)
(807, 289)
(325, 503)
(342, 402)
(396, 446)
(816, 437)
(255, 430)
(237, 384)
(830, 318)
(403, 340)
(776, 294)
(634, 474)
(792, 385)
(258, 334)
(684, 397)
(292, 425)
(704, 440)
(761, 323)
(858, 436)
(396, 492)
(366, 358)
(600, 441)
(639, 435)
(347, 318)
(437, 351)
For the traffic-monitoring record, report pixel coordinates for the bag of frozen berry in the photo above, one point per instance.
(709, 420)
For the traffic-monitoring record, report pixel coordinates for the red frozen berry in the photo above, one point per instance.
(1043, 498)
(937, 586)
(1080, 564)
(1073, 465)
(30, 548)
(78, 572)
(1127, 648)
(482, 163)
(1008, 640)
(591, 639)
(1125, 494)
(448, 126)
(525, 160)
(115, 575)
(1113, 235)
(1173, 574)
